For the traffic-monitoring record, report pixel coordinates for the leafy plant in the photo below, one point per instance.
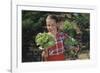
(72, 45)
(70, 42)
(44, 40)
(69, 28)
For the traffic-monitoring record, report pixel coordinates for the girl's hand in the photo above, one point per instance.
(44, 55)
(77, 48)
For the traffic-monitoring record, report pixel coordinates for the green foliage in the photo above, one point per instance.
(69, 28)
(70, 42)
(83, 20)
(45, 40)
(72, 54)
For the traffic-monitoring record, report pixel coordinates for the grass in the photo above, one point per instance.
(84, 55)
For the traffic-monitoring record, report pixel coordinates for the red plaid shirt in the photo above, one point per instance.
(56, 52)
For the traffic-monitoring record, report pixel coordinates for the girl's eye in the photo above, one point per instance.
(48, 25)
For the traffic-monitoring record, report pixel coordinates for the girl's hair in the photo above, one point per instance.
(57, 18)
(53, 16)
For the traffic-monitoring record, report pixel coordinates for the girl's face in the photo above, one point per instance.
(51, 25)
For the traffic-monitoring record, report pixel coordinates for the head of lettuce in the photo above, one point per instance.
(45, 40)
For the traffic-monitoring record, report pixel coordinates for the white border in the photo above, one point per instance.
(17, 64)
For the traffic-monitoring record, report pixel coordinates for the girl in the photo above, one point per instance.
(56, 52)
